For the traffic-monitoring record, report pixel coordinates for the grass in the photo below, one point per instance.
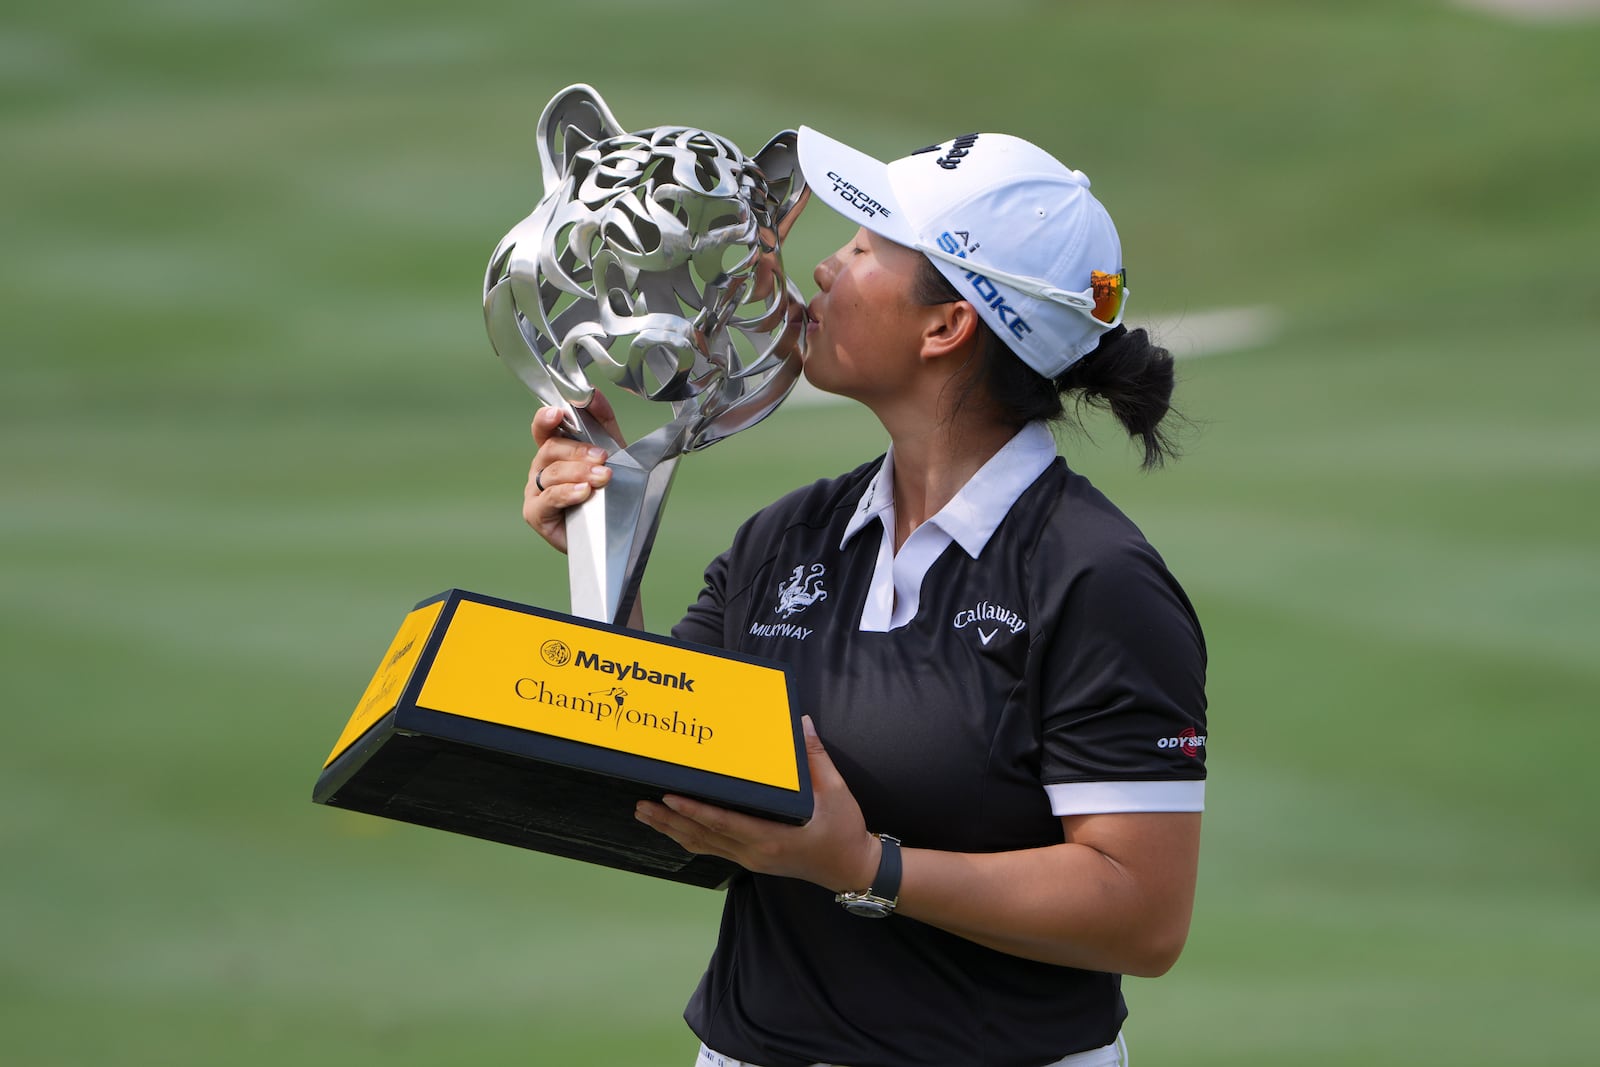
(248, 415)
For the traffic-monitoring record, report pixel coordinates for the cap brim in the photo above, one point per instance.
(855, 185)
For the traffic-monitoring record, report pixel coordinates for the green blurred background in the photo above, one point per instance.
(248, 415)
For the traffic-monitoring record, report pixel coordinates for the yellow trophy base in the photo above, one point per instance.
(536, 729)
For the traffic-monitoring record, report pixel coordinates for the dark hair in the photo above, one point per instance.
(1126, 374)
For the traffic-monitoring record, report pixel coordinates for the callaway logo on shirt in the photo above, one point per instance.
(989, 619)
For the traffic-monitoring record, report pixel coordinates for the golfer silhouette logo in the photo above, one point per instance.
(616, 693)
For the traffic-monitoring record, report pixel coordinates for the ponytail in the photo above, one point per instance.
(1132, 378)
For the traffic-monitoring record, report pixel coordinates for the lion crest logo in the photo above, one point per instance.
(803, 589)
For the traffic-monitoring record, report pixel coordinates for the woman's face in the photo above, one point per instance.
(865, 330)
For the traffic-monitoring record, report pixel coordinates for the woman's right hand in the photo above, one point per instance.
(564, 472)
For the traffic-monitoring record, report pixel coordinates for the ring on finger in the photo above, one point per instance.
(538, 479)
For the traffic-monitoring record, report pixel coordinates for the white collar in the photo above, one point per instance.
(975, 512)
(969, 519)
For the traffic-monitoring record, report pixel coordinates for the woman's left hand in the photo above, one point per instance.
(833, 849)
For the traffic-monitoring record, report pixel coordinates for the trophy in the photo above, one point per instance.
(651, 263)
(663, 245)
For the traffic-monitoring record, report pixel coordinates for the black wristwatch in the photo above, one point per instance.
(879, 900)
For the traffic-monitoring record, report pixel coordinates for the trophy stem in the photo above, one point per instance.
(609, 537)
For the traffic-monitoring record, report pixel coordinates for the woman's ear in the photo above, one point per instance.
(951, 330)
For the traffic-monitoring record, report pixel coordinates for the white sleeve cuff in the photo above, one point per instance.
(1105, 798)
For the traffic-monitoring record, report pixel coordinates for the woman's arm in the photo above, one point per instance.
(1115, 896)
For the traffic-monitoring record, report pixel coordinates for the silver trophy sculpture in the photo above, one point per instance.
(652, 262)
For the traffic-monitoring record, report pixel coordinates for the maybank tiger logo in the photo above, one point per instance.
(803, 589)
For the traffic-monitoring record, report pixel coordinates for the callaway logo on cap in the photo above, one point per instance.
(1017, 233)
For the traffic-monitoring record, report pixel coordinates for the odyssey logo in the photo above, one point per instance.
(1187, 742)
(997, 617)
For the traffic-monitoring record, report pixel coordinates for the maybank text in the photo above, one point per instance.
(623, 671)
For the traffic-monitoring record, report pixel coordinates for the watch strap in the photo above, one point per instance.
(880, 898)
(886, 883)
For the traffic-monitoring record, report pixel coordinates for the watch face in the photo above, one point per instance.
(867, 909)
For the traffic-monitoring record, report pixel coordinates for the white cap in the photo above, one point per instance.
(1017, 233)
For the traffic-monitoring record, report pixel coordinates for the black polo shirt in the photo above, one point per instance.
(1063, 661)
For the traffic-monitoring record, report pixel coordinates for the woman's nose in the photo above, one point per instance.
(824, 273)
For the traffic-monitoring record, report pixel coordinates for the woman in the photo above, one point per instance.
(1004, 685)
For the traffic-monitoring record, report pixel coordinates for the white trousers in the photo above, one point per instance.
(1112, 1055)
